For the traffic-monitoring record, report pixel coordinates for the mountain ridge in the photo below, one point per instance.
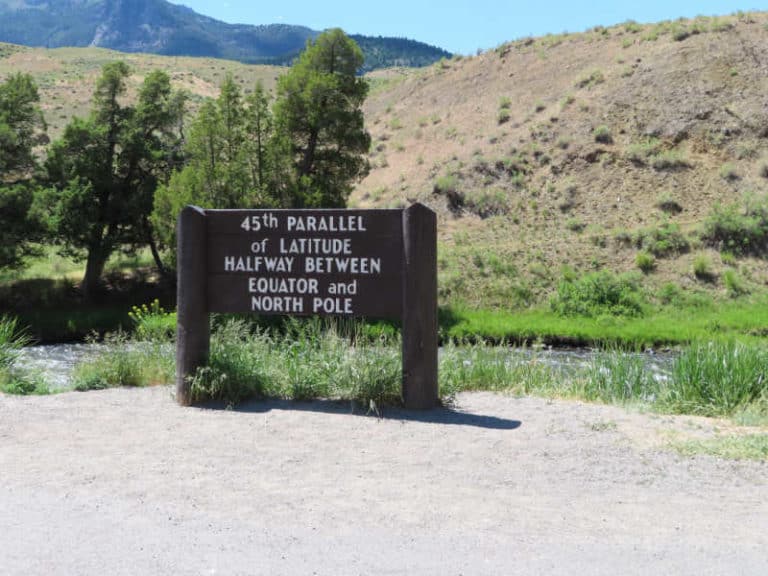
(161, 27)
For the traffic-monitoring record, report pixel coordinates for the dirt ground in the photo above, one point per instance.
(126, 482)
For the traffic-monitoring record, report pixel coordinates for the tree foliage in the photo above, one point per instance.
(228, 157)
(304, 151)
(104, 170)
(21, 128)
(319, 114)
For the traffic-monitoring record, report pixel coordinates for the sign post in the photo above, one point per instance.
(353, 263)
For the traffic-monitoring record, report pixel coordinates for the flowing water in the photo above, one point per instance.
(55, 362)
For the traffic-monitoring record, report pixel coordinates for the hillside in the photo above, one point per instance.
(160, 27)
(605, 150)
(578, 150)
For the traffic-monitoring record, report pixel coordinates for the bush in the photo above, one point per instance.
(734, 284)
(448, 186)
(645, 261)
(597, 294)
(602, 134)
(663, 240)
(669, 160)
(702, 267)
(728, 172)
(592, 79)
(641, 152)
(738, 230)
(503, 116)
(152, 323)
(668, 205)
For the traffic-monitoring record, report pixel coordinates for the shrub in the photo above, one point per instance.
(640, 152)
(602, 134)
(598, 293)
(645, 262)
(663, 240)
(668, 205)
(152, 323)
(763, 170)
(669, 160)
(702, 267)
(575, 225)
(594, 78)
(487, 202)
(448, 186)
(739, 230)
(728, 172)
(734, 284)
(503, 116)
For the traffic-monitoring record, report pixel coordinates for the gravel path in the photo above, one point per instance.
(126, 482)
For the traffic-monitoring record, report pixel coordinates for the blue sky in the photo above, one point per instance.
(461, 27)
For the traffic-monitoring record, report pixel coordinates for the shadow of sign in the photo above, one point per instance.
(441, 415)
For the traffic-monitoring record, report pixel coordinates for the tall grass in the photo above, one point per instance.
(304, 361)
(717, 379)
(13, 379)
(342, 360)
(125, 362)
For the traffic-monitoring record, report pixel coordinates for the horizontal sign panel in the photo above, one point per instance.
(305, 262)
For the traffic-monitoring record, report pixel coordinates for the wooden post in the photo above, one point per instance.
(193, 331)
(420, 308)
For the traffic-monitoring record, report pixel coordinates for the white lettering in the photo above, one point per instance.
(285, 304)
(320, 265)
(332, 305)
(282, 285)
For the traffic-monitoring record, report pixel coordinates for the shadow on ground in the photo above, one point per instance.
(439, 415)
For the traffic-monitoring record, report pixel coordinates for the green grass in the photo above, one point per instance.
(13, 378)
(746, 447)
(745, 320)
(717, 379)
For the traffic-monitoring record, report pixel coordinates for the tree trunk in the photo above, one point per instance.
(155, 253)
(94, 268)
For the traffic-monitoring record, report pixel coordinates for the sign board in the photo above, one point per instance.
(352, 263)
(306, 262)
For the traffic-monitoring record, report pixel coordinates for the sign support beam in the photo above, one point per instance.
(420, 387)
(192, 327)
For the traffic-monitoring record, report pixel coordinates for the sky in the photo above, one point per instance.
(462, 27)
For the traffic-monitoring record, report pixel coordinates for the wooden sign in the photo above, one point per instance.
(353, 263)
(311, 262)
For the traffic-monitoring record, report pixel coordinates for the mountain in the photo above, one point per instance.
(160, 27)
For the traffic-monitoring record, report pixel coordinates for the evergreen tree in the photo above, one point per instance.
(105, 168)
(319, 114)
(229, 163)
(21, 128)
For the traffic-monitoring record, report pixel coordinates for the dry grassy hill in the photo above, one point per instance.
(576, 150)
(568, 149)
(66, 77)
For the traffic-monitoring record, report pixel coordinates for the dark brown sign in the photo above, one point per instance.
(305, 262)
